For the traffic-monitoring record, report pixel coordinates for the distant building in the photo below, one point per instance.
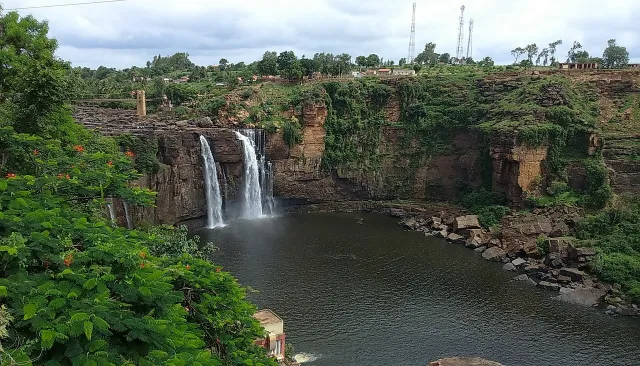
(183, 79)
(166, 80)
(384, 71)
(577, 65)
(356, 74)
(371, 72)
(274, 342)
(254, 78)
(404, 72)
(633, 66)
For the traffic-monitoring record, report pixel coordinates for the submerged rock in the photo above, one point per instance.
(581, 296)
(549, 286)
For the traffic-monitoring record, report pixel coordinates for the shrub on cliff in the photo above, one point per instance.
(616, 233)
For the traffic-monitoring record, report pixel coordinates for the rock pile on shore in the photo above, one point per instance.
(536, 246)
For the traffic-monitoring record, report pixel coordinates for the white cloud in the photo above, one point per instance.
(125, 33)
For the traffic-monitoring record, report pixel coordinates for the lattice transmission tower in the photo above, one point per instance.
(459, 49)
(470, 43)
(412, 37)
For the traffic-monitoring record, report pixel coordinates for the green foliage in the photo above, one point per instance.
(33, 82)
(354, 122)
(489, 206)
(292, 131)
(170, 241)
(74, 290)
(180, 93)
(615, 233)
(542, 244)
(83, 291)
(144, 149)
(212, 106)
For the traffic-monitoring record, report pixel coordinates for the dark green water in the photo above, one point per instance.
(372, 294)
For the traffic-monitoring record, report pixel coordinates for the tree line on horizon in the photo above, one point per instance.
(614, 55)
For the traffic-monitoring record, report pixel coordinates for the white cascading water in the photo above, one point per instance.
(112, 212)
(212, 188)
(252, 197)
(127, 215)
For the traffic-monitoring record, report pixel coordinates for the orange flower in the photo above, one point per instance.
(110, 163)
(68, 260)
(218, 269)
(188, 267)
(67, 176)
(36, 152)
(60, 175)
(130, 154)
(11, 175)
(143, 255)
(78, 148)
(142, 265)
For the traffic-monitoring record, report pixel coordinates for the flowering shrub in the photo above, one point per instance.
(82, 292)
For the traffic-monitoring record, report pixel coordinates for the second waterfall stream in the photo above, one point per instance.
(212, 188)
(257, 199)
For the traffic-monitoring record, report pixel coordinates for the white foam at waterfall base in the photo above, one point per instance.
(305, 357)
(252, 197)
(212, 188)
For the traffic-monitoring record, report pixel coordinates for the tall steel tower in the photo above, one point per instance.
(412, 38)
(470, 43)
(459, 49)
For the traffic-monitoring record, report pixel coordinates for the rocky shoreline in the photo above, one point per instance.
(529, 244)
(536, 245)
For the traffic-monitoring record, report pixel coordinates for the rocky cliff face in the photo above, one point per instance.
(468, 160)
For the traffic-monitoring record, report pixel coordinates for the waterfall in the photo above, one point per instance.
(212, 188)
(125, 204)
(258, 140)
(252, 198)
(226, 187)
(112, 212)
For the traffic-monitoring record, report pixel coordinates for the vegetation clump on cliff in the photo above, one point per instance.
(74, 289)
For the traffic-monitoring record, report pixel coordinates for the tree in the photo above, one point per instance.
(532, 50)
(552, 50)
(342, 64)
(544, 56)
(428, 56)
(444, 58)
(308, 65)
(34, 84)
(526, 63)
(486, 62)
(289, 65)
(361, 61)
(402, 62)
(223, 64)
(571, 54)
(199, 73)
(373, 60)
(469, 61)
(615, 56)
(517, 53)
(269, 63)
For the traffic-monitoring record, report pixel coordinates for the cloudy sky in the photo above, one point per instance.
(122, 34)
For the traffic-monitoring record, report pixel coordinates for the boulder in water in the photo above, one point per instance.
(466, 222)
(204, 122)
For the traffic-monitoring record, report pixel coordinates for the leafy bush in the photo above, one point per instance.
(292, 131)
(488, 205)
(143, 151)
(82, 292)
(211, 107)
(542, 244)
(615, 232)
